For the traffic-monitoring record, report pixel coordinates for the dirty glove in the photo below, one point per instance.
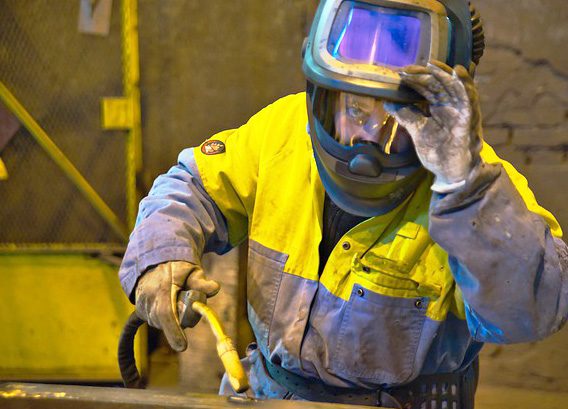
(156, 296)
(447, 134)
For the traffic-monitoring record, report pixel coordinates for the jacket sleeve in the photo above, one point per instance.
(176, 221)
(506, 254)
(201, 205)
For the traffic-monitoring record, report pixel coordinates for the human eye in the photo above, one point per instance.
(357, 114)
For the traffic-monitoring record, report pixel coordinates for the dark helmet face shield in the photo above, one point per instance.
(358, 46)
(374, 35)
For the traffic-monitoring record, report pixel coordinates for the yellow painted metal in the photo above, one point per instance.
(116, 113)
(225, 348)
(61, 160)
(131, 84)
(61, 318)
(99, 248)
(3, 171)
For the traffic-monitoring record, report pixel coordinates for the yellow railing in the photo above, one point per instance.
(131, 84)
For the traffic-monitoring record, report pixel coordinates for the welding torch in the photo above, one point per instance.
(191, 306)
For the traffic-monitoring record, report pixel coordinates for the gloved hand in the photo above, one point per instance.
(448, 136)
(156, 296)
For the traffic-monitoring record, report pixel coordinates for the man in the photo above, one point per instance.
(387, 243)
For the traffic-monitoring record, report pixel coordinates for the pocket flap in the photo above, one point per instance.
(409, 230)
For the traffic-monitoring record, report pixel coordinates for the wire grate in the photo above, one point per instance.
(59, 75)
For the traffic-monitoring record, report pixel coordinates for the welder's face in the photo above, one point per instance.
(362, 119)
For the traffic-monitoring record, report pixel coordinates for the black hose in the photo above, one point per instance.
(126, 361)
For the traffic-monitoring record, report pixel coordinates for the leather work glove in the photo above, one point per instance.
(447, 135)
(156, 296)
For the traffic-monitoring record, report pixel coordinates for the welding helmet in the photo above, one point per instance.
(352, 56)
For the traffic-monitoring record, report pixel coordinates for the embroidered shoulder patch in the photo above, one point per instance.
(212, 147)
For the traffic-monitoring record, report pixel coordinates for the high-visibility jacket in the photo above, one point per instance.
(414, 291)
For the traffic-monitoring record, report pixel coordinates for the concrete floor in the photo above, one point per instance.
(502, 397)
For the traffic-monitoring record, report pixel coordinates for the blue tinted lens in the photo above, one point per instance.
(374, 35)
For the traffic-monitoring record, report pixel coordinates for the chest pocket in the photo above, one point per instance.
(386, 311)
(393, 269)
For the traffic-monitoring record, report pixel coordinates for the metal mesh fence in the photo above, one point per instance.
(59, 75)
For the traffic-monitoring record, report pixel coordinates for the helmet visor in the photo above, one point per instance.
(370, 34)
(353, 119)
